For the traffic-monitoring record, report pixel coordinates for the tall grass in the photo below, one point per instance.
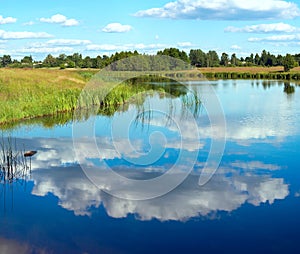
(26, 94)
(30, 93)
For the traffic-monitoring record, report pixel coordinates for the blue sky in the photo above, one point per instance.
(39, 28)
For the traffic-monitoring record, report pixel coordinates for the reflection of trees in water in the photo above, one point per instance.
(288, 88)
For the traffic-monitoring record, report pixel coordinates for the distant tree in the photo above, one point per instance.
(174, 52)
(224, 59)
(279, 60)
(62, 59)
(251, 58)
(233, 59)
(198, 58)
(297, 58)
(257, 59)
(263, 58)
(27, 60)
(106, 60)
(212, 59)
(289, 62)
(50, 61)
(76, 58)
(6, 60)
(87, 62)
(98, 62)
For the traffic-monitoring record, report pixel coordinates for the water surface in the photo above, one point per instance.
(251, 204)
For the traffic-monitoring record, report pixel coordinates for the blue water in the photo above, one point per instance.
(250, 205)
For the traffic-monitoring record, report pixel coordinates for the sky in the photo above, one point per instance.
(39, 28)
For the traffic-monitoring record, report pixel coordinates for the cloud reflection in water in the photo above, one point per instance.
(56, 172)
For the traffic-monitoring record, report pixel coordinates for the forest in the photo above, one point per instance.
(196, 57)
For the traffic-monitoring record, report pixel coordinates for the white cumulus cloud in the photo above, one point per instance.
(223, 10)
(236, 47)
(116, 28)
(117, 47)
(63, 42)
(47, 50)
(60, 19)
(7, 20)
(29, 23)
(184, 44)
(277, 38)
(23, 35)
(264, 28)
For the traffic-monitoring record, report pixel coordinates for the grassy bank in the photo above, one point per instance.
(31, 93)
(28, 93)
(275, 73)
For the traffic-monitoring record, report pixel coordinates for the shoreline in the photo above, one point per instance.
(36, 93)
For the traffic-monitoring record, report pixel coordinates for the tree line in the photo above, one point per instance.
(196, 57)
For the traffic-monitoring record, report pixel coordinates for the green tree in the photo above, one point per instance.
(233, 59)
(212, 59)
(5, 60)
(257, 59)
(224, 59)
(174, 52)
(289, 62)
(198, 58)
(27, 62)
(50, 61)
(87, 62)
(77, 59)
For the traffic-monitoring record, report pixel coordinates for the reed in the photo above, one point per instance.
(26, 94)
(31, 93)
(13, 163)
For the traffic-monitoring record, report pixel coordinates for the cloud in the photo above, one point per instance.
(71, 22)
(254, 165)
(138, 46)
(30, 23)
(223, 10)
(56, 171)
(264, 28)
(124, 47)
(184, 44)
(60, 19)
(116, 28)
(47, 50)
(64, 42)
(76, 193)
(236, 47)
(23, 35)
(7, 20)
(277, 38)
(263, 124)
(9, 246)
(54, 46)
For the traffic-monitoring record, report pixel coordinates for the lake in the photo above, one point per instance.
(130, 181)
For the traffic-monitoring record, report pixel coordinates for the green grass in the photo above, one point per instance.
(27, 94)
(31, 93)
